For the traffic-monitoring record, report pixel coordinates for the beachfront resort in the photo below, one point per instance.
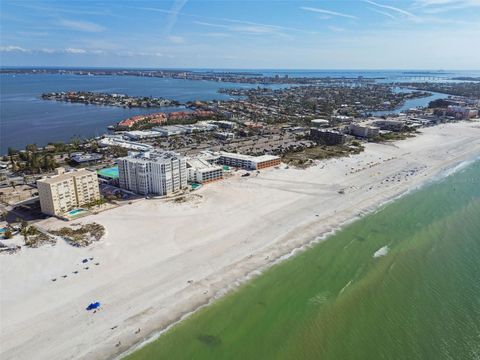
(239, 180)
(132, 230)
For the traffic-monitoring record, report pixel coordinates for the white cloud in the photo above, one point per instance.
(328, 12)
(245, 28)
(75, 51)
(210, 24)
(221, 19)
(85, 26)
(48, 51)
(215, 34)
(392, 8)
(12, 48)
(440, 6)
(384, 13)
(448, 2)
(336, 29)
(173, 14)
(176, 39)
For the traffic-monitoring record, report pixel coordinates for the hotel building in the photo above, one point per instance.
(153, 172)
(327, 137)
(67, 190)
(364, 130)
(202, 172)
(248, 162)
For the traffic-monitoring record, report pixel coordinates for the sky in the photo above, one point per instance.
(362, 34)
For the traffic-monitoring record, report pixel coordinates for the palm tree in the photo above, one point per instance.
(31, 148)
(75, 141)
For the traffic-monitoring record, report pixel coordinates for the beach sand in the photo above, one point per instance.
(161, 260)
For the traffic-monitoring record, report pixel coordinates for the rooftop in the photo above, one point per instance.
(153, 156)
(201, 164)
(260, 158)
(65, 176)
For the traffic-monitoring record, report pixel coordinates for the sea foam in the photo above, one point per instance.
(381, 252)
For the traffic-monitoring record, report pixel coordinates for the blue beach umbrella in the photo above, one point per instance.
(93, 306)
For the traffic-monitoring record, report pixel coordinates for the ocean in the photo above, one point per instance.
(400, 283)
(25, 118)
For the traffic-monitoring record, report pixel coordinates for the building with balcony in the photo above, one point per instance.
(66, 191)
(152, 172)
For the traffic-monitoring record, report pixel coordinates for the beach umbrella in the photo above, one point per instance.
(93, 306)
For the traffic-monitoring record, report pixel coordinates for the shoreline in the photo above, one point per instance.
(239, 282)
(147, 288)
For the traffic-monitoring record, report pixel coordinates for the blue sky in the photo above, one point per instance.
(379, 34)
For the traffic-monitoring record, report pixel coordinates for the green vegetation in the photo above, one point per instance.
(392, 136)
(439, 103)
(34, 160)
(81, 236)
(34, 238)
(117, 151)
(467, 89)
(418, 301)
(97, 202)
(306, 157)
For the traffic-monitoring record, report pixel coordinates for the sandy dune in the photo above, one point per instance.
(160, 259)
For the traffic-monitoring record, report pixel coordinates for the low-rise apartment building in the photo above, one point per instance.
(202, 172)
(248, 162)
(364, 130)
(327, 137)
(389, 124)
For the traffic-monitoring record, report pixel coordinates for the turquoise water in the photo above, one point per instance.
(401, 284)
(76, 211)
(111, 172)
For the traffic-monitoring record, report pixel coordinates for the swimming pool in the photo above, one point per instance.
(111, 173)
(75, 212)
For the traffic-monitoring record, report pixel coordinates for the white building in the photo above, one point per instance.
(389, 124)
(141, 134)
(67, 190)
(172, 130)
(363, 130)
(153, 172)
(201, 171)
(341, 119)
(248, 162)
(320, 123)
(223, 135)
(130, 145)
(224, 124)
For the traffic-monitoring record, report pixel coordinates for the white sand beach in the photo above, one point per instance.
(160, 260)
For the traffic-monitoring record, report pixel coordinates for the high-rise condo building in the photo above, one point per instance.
(153, 172)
